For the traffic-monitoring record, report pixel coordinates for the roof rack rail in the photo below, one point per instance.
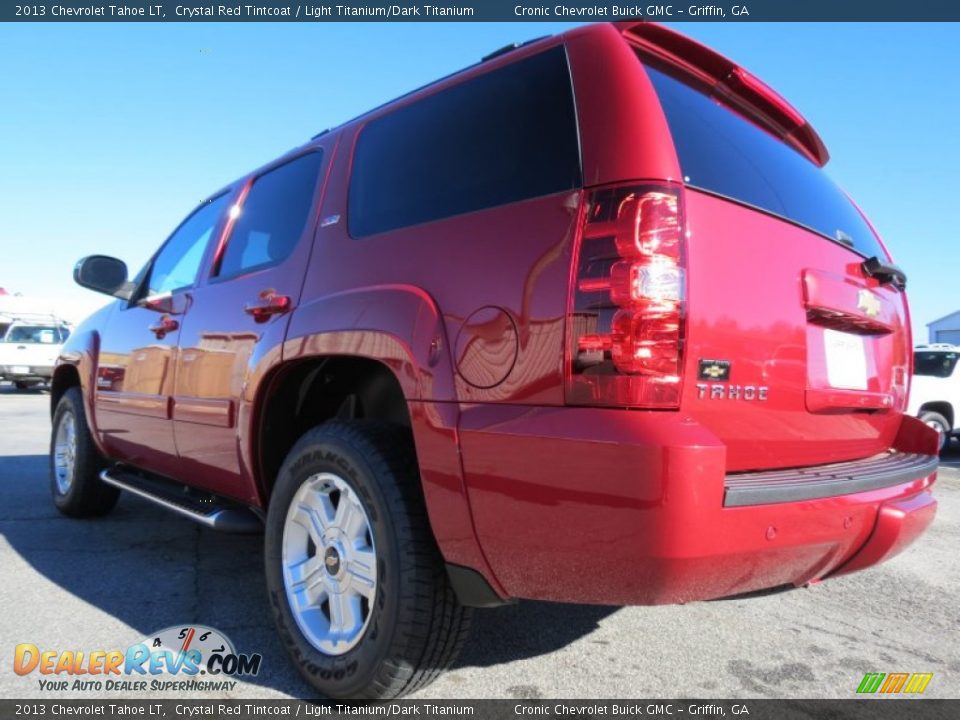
(510, 48)
(16, 316)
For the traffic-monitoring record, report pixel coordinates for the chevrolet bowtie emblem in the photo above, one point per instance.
(713, 371)
(710, 369)
(868, 303)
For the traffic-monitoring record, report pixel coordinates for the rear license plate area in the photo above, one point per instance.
(845, 360)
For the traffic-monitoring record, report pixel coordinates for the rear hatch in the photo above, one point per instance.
(795, 352)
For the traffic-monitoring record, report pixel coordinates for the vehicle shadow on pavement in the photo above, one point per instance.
(149, 569)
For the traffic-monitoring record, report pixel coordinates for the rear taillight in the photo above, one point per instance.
(626, 315)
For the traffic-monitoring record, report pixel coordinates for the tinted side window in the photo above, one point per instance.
(177, 263)
(273, 216)
(722, 152)
(505, 136)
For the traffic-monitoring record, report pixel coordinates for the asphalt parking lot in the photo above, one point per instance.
(104, 584)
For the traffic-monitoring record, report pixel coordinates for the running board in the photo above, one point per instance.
(213, 512)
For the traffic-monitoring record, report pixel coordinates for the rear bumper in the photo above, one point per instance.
(24, 372)
(612, 507)
(899, 523)
(824, 481)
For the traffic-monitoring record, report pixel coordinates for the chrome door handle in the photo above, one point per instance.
(268, 305)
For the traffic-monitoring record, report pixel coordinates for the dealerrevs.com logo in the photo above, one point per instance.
(187, 658)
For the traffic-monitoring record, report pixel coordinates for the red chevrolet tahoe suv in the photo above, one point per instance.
(584, 322)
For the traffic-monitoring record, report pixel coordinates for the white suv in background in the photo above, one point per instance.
(29, 350)
(935, 390)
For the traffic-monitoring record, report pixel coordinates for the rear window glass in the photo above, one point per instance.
(935, 364)
(508, 135)
(723, 153)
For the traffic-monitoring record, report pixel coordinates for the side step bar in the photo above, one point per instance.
(216, 513)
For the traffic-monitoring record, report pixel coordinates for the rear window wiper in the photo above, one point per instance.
(884, 271)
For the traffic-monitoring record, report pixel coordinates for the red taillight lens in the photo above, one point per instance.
(648, 224)
(626, 315)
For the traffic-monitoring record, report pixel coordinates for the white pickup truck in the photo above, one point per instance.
(935, 390)
(29, 346)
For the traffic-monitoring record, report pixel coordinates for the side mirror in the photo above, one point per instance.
(104, 274)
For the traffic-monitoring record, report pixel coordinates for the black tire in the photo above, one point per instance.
(85, 495)
(21, 385)
(416, 627)
(936, 419)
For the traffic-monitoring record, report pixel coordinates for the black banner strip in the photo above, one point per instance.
(479, 11)
(878, 708)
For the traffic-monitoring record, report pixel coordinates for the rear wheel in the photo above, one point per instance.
(75, 464)
(23, 385)
(357, 585)
(939, 423)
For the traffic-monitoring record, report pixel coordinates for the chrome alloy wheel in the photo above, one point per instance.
(65, 452)
(329, 563)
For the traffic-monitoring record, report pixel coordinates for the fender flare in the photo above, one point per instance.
(80, 352)
(401, 327)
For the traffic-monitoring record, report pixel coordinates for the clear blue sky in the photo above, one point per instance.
(110, 133)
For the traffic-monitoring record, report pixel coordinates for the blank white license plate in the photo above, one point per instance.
(20, 370)
(846, 356)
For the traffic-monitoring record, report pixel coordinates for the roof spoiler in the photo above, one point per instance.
(730, 84)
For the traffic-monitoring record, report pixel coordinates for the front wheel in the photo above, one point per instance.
(939, 423)
(75, 464)
(356, 583)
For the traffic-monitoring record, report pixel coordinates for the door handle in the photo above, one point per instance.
(165, 325)
(268, 305)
